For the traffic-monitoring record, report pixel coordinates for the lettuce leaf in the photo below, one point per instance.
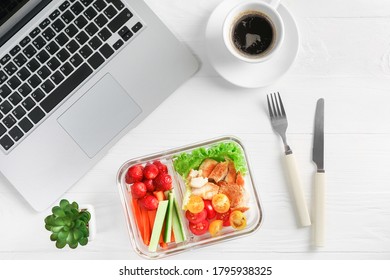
(184, 162)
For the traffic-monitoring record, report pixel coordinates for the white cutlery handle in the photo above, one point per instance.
(297, 191)
(319, 213)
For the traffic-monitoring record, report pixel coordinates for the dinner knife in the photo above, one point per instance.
(319, 177)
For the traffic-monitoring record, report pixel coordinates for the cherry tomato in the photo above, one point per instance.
(237, 220)
(215, 227)
(195, 204)
(210, 210)
(199, 228)
(196, 218)
(221, 203)
(224, 217)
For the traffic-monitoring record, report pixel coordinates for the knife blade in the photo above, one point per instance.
(319, 177)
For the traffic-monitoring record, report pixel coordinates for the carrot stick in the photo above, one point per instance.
(172, 236)
(146, 226)
(137, 215)
(152, 217)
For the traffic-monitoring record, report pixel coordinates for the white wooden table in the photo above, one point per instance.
(344, 57)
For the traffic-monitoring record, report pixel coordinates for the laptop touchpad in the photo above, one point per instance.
(99, 115)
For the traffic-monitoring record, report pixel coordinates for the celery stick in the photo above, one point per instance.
(158, 224)
(177, 224)
(168, 220)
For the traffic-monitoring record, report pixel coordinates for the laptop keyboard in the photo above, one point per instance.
(56, 57)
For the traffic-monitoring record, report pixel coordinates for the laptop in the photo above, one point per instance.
(75, 76)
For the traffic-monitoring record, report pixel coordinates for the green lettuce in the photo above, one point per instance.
(184, 162)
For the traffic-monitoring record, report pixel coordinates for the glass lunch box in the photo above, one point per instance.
(180, 185)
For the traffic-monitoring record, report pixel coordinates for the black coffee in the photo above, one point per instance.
(253, 34)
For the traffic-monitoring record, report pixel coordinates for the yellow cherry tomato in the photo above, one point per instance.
(195, 204)
(237, 220)
(215, 227)
(221, 203)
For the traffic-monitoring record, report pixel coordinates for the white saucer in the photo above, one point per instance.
(245, 74)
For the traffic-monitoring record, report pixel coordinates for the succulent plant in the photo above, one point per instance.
(68, 224)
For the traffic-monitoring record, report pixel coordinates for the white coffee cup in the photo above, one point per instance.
(264, 9)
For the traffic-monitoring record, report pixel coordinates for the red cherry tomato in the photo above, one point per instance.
(199, 228)
(196, 218)
(224, 217)
(210, 210)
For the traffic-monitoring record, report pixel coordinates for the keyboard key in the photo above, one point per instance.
(16, 133)
(20, 60)
(44, 23)
(120, 20)
(96, 60)
(86, 2)
(38, 95)
(71, 30)
(106, 51)
(5, 107)
(35, 32)
(6, 142)
(118, 44)
(15, 98)
(5, 59)
(82, 37)
(44, 72)
(24, 89)
(10, 68)
(28, 103)
(29, 51)
(3, 77)
(62, 91)
(76, 60)
(101, 20)
(25, 41)
(86, 51)
(39, 42)
(53, 64)
(14, 82)
(36, 115)
(77, 8)
(123, 31)
(80, 22)
(62, 39)
(67, 17)
(95, 43)
(15, 50)
(118, 4)
(72, 46)
(54, 14)
(47, 86)
(136, 27)
(63, 55)
(64, 5)
(127, 36)
(57, 77)
(110, 12)
(5, 91)
(90, 13)
(33, 65)
(42, 56)
(99, 5)
(48, 34)
(26, 125)
(34, 81)
(19, 112)
(52, 47)
(104, 34)
(91, 29)
(23, 74)
(58, 25)
(66, 69)
(2, 130)
(9, 121)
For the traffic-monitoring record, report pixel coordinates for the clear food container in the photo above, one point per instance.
(239, 188)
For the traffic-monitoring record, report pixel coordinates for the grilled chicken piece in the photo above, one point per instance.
(207, 166)
(231, 176)
(234, 192)
(219, 172)
(240, 180)
(207, 191)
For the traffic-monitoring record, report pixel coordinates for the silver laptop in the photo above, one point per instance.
(75, 76)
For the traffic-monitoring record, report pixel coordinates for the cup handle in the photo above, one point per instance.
(274, 3)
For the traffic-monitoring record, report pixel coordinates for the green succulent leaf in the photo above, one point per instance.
(73, 244)
(58, 211)
(56, 229)
(60, 244)
(77, 234)
(54, 236)
(75, 205)
(83, 241)
(59, 222)
(64, 203)
(63, 235)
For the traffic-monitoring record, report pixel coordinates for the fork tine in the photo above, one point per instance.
(273, 106)
(269, 108)
(281, 105)
(277, 105)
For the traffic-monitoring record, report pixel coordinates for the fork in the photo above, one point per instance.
(279, 125)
